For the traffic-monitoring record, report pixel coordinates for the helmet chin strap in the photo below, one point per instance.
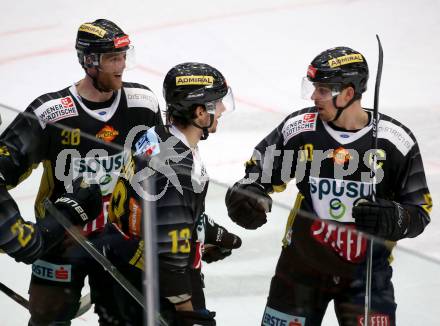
(340, 109)
(204, 129)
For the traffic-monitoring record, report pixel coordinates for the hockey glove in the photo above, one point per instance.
(248, 204)
(196, 317)
(385, 219)
(218, 241)
(120, 248)
(83, 204)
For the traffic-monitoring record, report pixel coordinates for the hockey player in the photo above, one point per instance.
(78, 130)
(327, 148)
(196, 95)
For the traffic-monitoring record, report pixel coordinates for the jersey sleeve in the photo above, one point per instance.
(22, 240)
(22, 147)
(175, 226)
(413, 193)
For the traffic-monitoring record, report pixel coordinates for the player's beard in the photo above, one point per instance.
(109, 81)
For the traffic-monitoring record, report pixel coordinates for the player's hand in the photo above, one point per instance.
(81, 205)
(383, 218)
(121, 248)
(218, 241)
(196, 317)
(248, 204)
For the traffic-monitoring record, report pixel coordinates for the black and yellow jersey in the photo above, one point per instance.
(69, 139)
(332, 167)
(162, 156)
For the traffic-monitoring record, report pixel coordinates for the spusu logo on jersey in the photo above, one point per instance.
(333, 199)
(104, 168)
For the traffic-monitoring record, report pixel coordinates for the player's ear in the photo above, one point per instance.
(199, 111)
(349, 93)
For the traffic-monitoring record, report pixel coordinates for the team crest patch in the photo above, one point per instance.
(299, 124)
(56, 110)
(148, 144)
(52, 272)
(107, 133)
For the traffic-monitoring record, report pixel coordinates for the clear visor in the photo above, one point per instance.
(319, 91)
(222, 106)
(115, 62)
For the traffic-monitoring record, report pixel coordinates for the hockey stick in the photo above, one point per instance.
(84, 306)
(369, 266)
(14, 296)
(100, 258)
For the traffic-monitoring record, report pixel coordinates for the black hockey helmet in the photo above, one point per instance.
(98, 37)
(340, 66)
(190, 84)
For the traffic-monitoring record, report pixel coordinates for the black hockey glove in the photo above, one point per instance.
(384, 218)
(248, 204)
(120, 248)
(218, 241)
(83, 204)
(197, 317)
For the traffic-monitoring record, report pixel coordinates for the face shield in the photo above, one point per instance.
(319, 91)
(222, 106)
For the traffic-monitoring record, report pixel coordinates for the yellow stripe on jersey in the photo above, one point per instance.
(251, 162)
(279, 188)
(138, 258)
(47, 186)
(427, 206)
(291, 219)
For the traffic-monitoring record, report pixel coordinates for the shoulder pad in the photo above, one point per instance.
(299, 123)
(141, 97)
(396, 134)
(55, 109)
(148, 144)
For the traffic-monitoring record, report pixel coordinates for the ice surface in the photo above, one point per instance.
(263, 48)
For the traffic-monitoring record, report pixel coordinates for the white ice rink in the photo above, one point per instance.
(263, 48)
